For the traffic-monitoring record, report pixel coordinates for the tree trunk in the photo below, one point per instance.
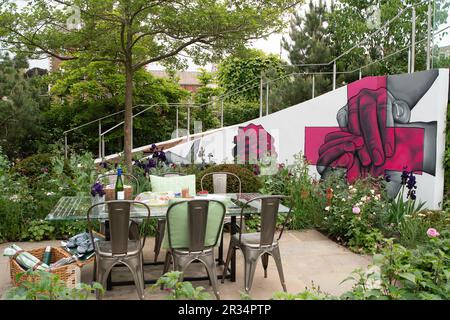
(128, 121)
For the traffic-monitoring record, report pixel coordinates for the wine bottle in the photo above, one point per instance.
(47, 255)
(120, 192)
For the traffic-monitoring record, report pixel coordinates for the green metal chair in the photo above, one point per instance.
(259, 244)
(193, 230)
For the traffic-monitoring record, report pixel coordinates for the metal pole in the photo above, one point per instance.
(413, 39)
(103, 145)
(360, 74)
(334, 75)
(429, 36)
(267, 98)
(65, 145)
(409, 60)
(313, 85)
(221, 113)
(261, 96)
(188, 121)
(100, 139)
(177, 124)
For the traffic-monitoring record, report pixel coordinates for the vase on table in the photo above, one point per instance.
(100, 209)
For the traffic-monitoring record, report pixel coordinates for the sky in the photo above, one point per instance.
(268, 45)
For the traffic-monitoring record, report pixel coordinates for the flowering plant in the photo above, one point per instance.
(400, 207)
(97, 189)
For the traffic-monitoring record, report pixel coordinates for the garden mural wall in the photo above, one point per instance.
(378, 125)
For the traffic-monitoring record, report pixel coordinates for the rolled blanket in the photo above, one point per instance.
(25, 259)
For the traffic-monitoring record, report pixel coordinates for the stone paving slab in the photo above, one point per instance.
(308, 257)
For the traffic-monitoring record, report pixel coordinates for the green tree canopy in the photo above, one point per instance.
(134, 33)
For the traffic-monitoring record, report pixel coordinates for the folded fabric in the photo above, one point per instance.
(25, 259)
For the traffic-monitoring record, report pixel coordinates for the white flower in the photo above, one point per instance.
(421, 215)
(79, 165)
(14, 197)
(50, 193)
(343, 199)
(364, 199)
(372, 191)
(378, 196)
(326, 218)
(327, 208)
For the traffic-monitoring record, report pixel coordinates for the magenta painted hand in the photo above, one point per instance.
(365, 143)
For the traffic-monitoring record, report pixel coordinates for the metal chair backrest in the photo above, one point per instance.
(269, 213)
(119, 218)
(219, 180)
(198, 214)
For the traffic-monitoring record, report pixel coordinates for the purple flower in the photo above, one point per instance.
(97, 189)
(405, 175)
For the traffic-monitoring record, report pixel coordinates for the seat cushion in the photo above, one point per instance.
(173, 184)
(251, 239)
(104, 247)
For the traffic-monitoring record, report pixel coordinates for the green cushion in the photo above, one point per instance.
(179, 233)
(174, 184)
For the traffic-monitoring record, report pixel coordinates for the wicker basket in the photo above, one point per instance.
(69, 273)
(110, 192)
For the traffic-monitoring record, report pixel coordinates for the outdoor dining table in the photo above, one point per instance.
(76, 207)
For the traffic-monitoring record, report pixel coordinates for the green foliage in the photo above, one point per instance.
(180, 290)
(50, 287)
(38, 230)
(401, 207)
(309, 43)
(422, 273)
(250, 183)
(22, 101)
(35, 165)
(241, 75)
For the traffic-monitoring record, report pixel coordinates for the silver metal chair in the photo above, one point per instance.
(162, 222)
(119, 249)
(219, 180)
(196, 248)
(260, 244)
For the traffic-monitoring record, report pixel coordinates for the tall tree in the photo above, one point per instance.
(308, 43)
(134, 33)
(21, 101)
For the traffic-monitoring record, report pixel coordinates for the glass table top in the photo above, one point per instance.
(76, 207)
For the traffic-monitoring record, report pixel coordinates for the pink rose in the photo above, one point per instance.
(432, 233)
(356, 210)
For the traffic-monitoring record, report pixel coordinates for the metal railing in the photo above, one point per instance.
(266, 84)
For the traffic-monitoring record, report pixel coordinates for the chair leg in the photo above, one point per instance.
(249, 271)
(265, 262)
(103, 269)
(210, 265)
(277, 257)
(159, 237)
(135, 266)
(227, 261)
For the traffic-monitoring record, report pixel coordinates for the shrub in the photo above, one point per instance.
(179, 290)
(35, 165)
(422, 273)
(250, 182)
(38, 230)
(50, 287)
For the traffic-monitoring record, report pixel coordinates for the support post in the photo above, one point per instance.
(313, 85)
(261, 96)
(221, 113)
(360, 74)
(188, 121)
(65, 145)
(267, 98)
(334, 75)
(176, 125)
(103, 145)
(409, 60)
(100, 139)
(429, 37)
(413, 39)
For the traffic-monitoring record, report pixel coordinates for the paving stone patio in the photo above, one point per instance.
(308, 256)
